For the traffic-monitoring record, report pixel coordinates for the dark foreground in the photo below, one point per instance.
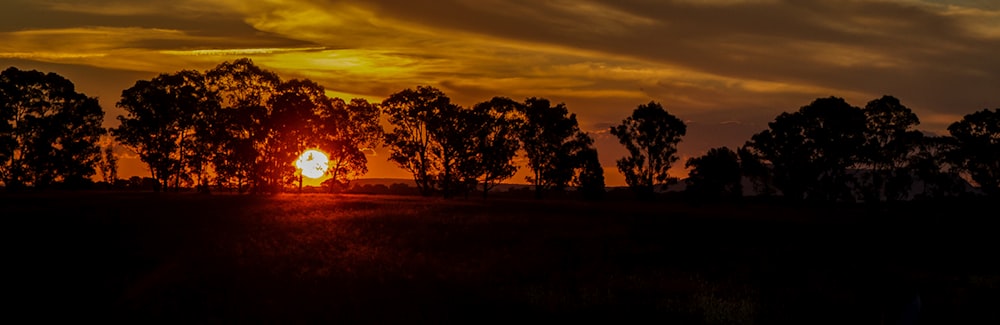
(143, 258)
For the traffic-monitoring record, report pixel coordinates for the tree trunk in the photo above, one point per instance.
(486, 189)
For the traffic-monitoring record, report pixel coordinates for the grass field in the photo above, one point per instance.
(142, 258)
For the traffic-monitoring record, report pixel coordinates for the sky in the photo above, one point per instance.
(725, 67)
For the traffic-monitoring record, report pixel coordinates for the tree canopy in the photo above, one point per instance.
(49, 132)
(414, 113)
(977, 151)
(496, 144)
(716, 174)
(244, 90)
(549, 136)
(809, 151)
(168, 124)
(241, 126)
(888, 148)
(650, 135)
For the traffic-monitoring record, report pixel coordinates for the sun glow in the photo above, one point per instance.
(312, 163)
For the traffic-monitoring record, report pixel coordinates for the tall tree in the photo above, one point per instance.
(589, 175)
(412, 113)
(346, 132)
(292, 127)
(546, 136)
(433, 139)
(48, 131)
(977, 138)
(495, 141)
(244, 91)
(166, 125)
(933, 163)
(715, 175)
(108, 165)
(890, 140)
(453, 132)
(650, 135)
(810, 150)
(756, 171)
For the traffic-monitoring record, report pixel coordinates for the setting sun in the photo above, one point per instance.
(313, 163)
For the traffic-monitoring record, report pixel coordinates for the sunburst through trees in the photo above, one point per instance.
(244, 126)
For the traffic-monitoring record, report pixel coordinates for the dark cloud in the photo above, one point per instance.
(211, 29)
(870, 47)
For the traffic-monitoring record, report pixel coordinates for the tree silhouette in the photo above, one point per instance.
(108, 165)
(809, 151)
(167, 125)
(756, 171)
(412, 114)
(240, 125)
(547, 136)
(48, 131)
(292, 127)
(244, 90)
(495, 141)
(715, 175)
(933, 162)
(453, 133)
(266, 122)
(977, 150)
(243, 126)
(650, 135)
(346, 131)
(589, 178)
(890, 141)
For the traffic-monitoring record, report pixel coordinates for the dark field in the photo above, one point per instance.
(142, 258)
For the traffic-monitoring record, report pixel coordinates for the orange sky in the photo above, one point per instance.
(726, 67)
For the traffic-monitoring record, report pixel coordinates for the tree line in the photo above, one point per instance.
(240, 126)
(830, 150)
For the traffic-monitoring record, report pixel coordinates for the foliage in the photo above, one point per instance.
(889, 142)
(292, 127)
(589, 178)
(446, 147)
(548, 137)
(756, 171)
(345, 132)
(413, 114)
(932, 163)
(809, 151)
(453, 148)
(977, 150)
(168, 125)
(48, 131)
(243, 126)
(716, 174)
(108, 165)
(650, 135)
(495, 141)
(244, 90)
(239, 125)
